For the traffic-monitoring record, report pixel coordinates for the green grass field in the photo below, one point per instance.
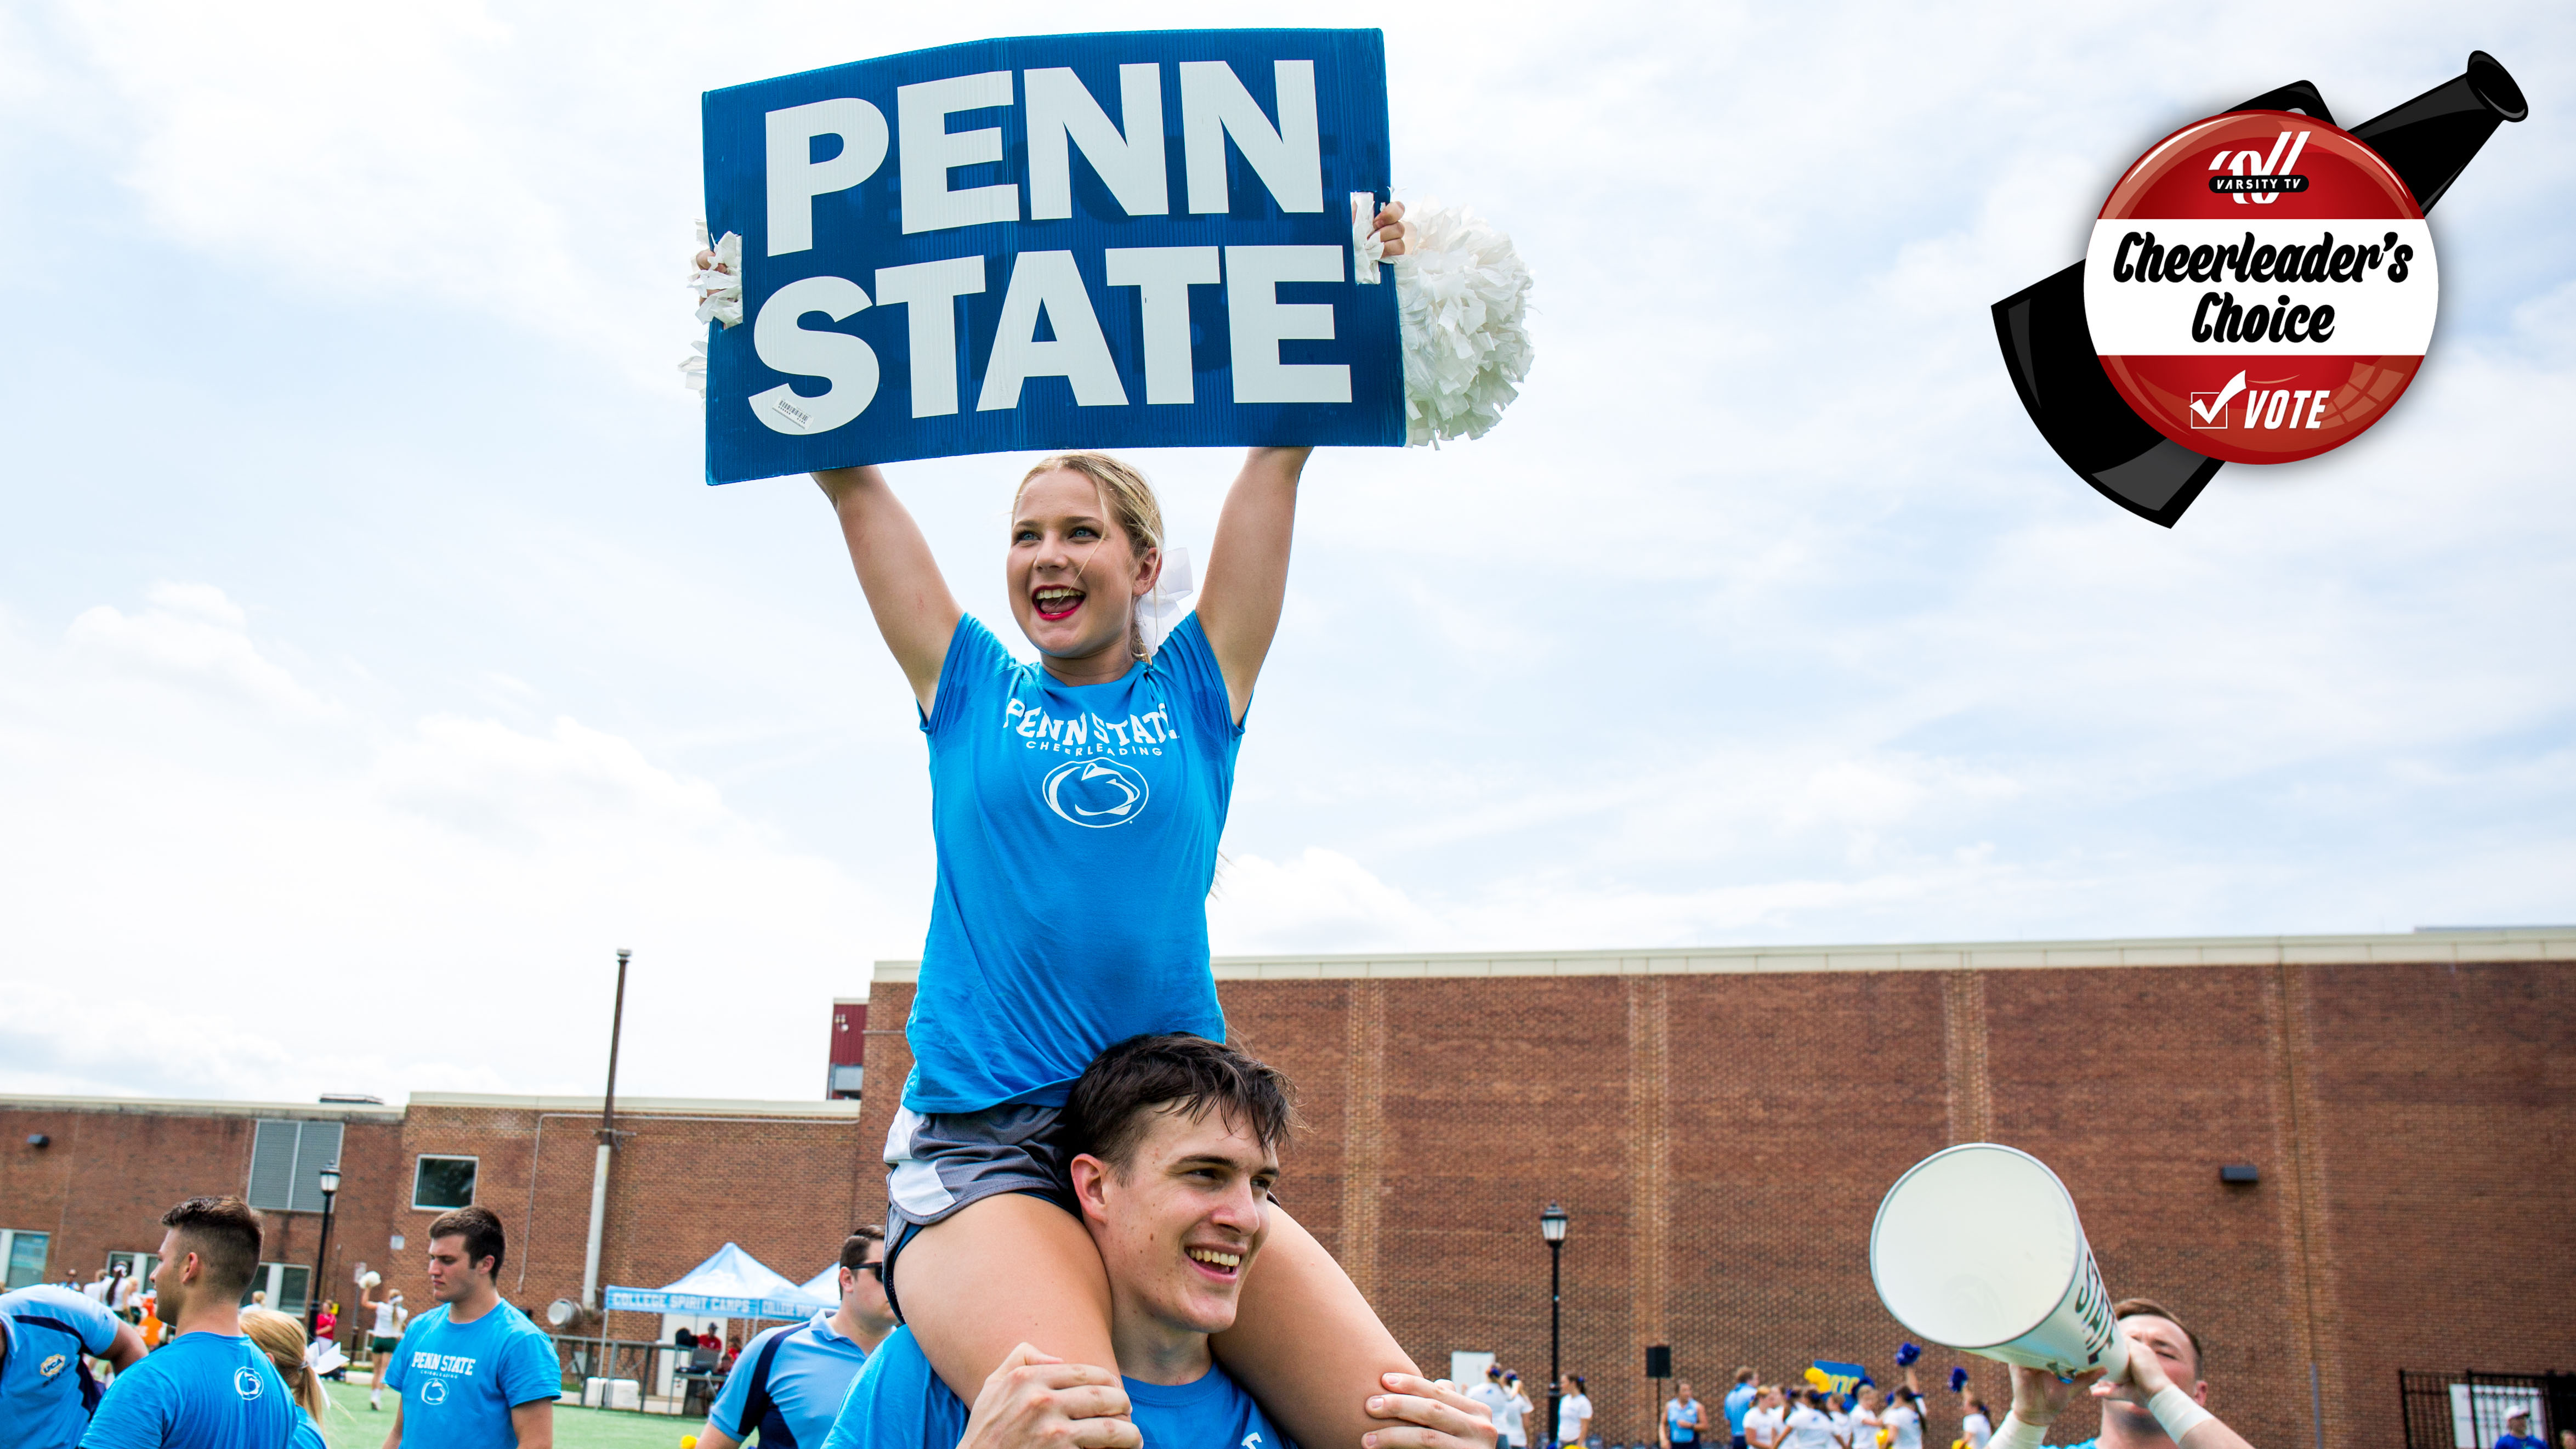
(351, 1426)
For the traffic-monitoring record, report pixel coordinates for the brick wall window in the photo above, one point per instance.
(286, 1162)
(22, 1258)
(440, 1183)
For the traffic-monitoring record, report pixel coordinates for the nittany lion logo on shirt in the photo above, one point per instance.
(434, 1391)
(246, 1383)
(1095, 793)
(52, 1365)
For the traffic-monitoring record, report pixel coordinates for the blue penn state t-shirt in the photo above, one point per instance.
(44, 1330)
(201, 1391)
(1076, 829)
(459, 1381)
(898, 1403)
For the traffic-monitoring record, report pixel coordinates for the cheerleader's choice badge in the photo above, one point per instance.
(2260, 287)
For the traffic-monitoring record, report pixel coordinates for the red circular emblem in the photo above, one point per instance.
(2260, 287)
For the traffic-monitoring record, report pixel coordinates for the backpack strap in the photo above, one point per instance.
(757, 1407)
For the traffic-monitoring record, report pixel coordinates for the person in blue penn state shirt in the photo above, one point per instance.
(472, 1373)
(2158, 1400)
(1175, 1149)
(1076, 807)
(209, 1387)
(46, 1334)
(789, 1382)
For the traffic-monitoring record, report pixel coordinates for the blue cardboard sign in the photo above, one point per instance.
(1066, 241)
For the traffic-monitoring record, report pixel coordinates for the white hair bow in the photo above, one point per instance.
(1160, 610)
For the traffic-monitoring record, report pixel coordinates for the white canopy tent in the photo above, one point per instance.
(729, 1284)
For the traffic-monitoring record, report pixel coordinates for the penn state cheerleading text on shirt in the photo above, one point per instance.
(459, 1381)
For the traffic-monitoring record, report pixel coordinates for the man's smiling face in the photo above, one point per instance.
(1179, 1225)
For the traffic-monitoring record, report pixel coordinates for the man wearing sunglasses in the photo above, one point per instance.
(790, 1381)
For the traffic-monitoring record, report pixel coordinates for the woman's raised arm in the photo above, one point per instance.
(1247, 568)
(913, 607)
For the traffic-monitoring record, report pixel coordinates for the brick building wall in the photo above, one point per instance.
(783, 1179)
(110, 1168)
(1722, 1126)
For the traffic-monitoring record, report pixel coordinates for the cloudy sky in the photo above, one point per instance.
(373, 659)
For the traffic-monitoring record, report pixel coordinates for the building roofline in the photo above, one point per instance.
(309, 1111)
(2535, 943)
(639, 1106)
(196, 1107)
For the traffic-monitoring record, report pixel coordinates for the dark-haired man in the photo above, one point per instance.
(47, 1336)
(210, 1387)
(789, 1382)
(1174, 1147)
(472, 1373)
(2157, 1400)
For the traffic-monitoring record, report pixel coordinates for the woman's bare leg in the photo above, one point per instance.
(1306, 1344)
(1003, 1271)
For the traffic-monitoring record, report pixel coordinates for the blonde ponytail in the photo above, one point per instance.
(282, 1339)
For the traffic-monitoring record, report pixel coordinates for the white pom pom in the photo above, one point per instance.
(1463, 295)
(693, 369)
(719, 287)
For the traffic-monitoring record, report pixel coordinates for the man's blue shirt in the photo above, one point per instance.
(1047, 799)
(1739, 1402)
(2518, 1441)
(44, 1330)
(459, 1381)
(898, 1403)
(201, 1391)
(808, 1379)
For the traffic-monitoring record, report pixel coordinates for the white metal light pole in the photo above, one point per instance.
(607, 1146)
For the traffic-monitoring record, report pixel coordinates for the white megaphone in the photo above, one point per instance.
(1977, 1246)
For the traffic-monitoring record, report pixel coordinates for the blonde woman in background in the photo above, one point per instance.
(282, 1339)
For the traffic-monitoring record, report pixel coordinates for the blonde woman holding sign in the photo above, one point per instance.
(1076, 808)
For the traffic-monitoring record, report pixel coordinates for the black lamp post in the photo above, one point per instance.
(322, 1255)
(1551, 1226)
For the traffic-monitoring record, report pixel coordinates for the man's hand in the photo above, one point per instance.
(1038, 1401)
(1427, 1416)
(2138, 1382)
(2040, 1396)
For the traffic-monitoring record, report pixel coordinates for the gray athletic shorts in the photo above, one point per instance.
(940, 1163)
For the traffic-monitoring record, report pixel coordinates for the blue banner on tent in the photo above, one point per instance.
(1120, 240)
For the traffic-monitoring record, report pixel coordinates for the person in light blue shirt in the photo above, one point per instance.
(789, 1382)
(1739, 1402)
(46, 1336)
(472, 1373)
(1174, 1142)
(1684, 1419)
(1076, 807)
(210, 1386)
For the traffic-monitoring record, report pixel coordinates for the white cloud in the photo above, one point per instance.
(1765, 615)
(336, 901)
